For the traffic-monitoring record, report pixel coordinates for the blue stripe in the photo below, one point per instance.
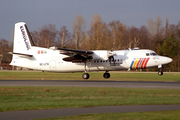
(131, 65)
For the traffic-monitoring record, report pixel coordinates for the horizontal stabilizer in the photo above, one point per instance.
(27, 55)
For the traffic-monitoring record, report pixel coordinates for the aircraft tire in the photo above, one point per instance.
(160, 73)
(85, 76)
(106, 75)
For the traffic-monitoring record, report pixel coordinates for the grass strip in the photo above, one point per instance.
(120, 76)
(28, 98)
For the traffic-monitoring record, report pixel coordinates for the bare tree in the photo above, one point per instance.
(144, 37)
(98, 33)
(118, 31)
(158, 24)
(36, 38)
(47, 36)
(78, 27)
(65, 37)
(4, 49)
(134, 37)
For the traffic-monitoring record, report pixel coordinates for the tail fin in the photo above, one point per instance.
(22, 39)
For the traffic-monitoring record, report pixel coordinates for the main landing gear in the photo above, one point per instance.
(86, 75)
(106, 75)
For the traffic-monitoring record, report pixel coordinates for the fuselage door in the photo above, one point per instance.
(53, 65)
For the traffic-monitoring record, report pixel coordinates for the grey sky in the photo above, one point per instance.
(37, 13)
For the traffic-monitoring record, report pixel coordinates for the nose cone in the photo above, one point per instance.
(169, 60)
(165, 60)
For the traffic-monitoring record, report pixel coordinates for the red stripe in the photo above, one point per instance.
(146, 62)
(143, 63)
(138, 63)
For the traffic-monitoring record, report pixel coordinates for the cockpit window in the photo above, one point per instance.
(147, 54)
(151, 54)
(154, 54)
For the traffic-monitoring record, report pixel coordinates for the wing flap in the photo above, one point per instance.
(73, 51)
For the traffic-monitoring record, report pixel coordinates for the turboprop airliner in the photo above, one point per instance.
(55, 59)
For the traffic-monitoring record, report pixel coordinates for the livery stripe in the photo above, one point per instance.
(135, 62)
(138, 63)
(146, 62)
(131, 65)
(143, 63)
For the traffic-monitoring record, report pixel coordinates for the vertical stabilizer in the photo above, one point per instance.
(22, 39)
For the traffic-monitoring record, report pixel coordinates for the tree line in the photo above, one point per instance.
(115, 35)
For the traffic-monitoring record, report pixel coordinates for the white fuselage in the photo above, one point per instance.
(51, 60)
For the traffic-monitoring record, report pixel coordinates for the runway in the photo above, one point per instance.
(49, 113)
(87, 83)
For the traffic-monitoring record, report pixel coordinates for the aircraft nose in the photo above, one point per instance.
(169, 60)
(164, 60)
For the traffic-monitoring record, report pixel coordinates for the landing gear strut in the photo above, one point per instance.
(85, 75)
(106, 75)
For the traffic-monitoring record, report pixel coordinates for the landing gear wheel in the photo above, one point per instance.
(85, 76)
(160, 73)
(106, 75)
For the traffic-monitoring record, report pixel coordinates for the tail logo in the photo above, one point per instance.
(139, 63)
(25, 38)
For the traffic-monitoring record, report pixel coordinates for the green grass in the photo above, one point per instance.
(28, 98)
(164, 115)
(120, 76)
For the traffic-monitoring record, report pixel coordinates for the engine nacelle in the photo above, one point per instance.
(100, 55)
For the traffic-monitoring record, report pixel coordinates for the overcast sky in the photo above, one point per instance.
(37, 13)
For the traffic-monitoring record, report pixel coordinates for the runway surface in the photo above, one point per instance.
(86, 83)
(49, 113)
(37, 114)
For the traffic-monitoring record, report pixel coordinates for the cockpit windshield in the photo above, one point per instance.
(151, 54)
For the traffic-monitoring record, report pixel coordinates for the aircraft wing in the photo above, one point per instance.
(76, 55)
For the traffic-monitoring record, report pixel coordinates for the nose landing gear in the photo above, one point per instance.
(160, 72)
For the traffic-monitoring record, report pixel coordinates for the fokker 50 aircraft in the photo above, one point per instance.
(54, 59)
